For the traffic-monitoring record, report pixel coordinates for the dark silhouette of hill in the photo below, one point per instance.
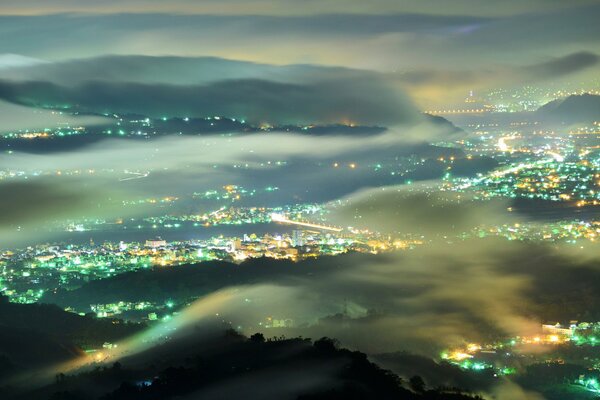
(39, 334)
(444, 123)
(438, 374)
(22, 348)
(233, 366)
(157, 284)
(574, 109)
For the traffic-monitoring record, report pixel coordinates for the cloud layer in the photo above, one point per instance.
(366, 102)
(398, 39)
(19, 118)
(289, 7)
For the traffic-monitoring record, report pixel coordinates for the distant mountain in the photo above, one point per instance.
(204, 87)
(155, 69)
(444, 123)
(575, 109)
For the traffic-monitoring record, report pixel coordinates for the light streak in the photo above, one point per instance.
(136, 175)
(284, 220)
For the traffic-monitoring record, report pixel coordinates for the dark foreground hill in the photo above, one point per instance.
(233, 366)
(32, 335)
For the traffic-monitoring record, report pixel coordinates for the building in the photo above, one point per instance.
(156, 243)
(557, 329)
(297, 238)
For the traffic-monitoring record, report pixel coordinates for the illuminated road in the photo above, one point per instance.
(510, 170)
(284, 220)
(136, 175)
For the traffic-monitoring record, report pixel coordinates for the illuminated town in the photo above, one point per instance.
(300, 200)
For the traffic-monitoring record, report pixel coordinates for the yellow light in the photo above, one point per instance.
(472, 347)
(459, 355)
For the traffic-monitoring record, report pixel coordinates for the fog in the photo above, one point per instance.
(108, 106)
(17, 118)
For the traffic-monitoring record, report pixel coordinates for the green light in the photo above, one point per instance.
(478, 366)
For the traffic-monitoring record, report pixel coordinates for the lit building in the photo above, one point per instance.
(557, 329)
(297, 238)
(155, 243)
